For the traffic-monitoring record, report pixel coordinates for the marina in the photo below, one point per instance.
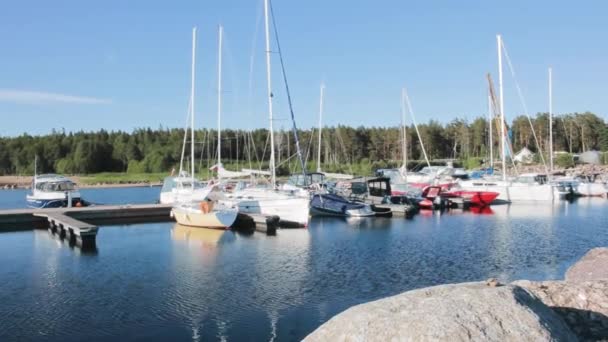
(256, 171)
(184, 283)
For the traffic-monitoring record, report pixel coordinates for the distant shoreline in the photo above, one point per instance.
(24, 182)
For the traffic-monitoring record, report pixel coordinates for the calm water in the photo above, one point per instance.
(160, 282)
(15, 199)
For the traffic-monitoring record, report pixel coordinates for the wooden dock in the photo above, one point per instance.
(80, 232)
(20, 219)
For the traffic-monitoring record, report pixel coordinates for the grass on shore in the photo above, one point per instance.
(122, 178)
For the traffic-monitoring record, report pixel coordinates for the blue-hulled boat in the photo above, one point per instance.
(53, 191)
(335, 205)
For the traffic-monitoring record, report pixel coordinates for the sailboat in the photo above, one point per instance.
(319, 169)
(195, 212)
(523, 188)
(291, 208)
(184, 187)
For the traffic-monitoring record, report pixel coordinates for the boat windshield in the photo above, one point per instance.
(55, 186)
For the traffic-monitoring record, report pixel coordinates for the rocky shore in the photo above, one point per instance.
(575, 309)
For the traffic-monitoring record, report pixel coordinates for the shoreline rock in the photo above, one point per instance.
(569, 310)
(592, 266)
(456, 312)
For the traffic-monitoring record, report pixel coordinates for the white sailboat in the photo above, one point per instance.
(319, 169)
(525, 187)
(201, 213)
(288, 206)
(184, 187)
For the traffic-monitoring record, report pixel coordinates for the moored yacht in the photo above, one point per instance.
(528, 187)
(53, 191)
(182, 189)
(204, 214)
(289, 207)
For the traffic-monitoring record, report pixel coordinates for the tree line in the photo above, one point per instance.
(343, 149)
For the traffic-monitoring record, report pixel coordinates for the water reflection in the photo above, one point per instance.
(158, 282)
(62, 241)
(205, 238)
(281, 269)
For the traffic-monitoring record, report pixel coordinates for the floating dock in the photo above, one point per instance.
(79, 232)
(24, 219)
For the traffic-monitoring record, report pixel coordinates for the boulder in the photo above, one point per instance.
(460, 312)
(582, 305)
(592, 266)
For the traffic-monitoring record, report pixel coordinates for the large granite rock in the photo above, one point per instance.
(462, 312)
(582, 305)
(592, 266)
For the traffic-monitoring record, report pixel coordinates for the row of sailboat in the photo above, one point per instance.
(208, 205)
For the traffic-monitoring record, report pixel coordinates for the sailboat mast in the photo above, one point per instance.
(192, 104)
(219, 101)
(404, 136)
(269, 85)
(409, 107)
(320, 127)
(502, 109)
(551, 121)
(490, 122)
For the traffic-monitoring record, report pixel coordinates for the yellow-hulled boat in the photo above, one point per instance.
(204, 215)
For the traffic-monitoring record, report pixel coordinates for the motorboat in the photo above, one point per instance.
(529, 187)
(336, 205)
(590, 187)
(54, 191)
(475, 198)
(204, 214)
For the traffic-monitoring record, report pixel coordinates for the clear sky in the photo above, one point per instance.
(118, 64)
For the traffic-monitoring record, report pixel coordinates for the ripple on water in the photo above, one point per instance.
(153, 282)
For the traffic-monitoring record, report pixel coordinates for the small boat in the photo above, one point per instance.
(204, 215)
(475, 198)
(335, 205)
(54, 191)
(435, 195)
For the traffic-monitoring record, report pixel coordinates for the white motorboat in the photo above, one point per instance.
(528, 187)
(53, 191)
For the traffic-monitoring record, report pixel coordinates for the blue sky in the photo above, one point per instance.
(126, 64)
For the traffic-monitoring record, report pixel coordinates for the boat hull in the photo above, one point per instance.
(40, 203)
(331, 205)
(292, 210)
(218, 219)
(476, 198)
(592, 189)
(514, 193)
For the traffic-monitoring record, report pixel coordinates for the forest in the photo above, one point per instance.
(343, 149)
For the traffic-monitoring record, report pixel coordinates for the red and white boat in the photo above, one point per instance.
(476, 198)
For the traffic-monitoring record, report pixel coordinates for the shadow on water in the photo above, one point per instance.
(89, 249)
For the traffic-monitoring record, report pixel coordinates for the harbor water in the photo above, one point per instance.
(162, 282)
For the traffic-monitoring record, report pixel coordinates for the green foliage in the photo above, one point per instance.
(136, 167)
(472, 163)
(357, 150)
(564, 160)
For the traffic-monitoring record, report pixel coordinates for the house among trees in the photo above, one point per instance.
(524, 156)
